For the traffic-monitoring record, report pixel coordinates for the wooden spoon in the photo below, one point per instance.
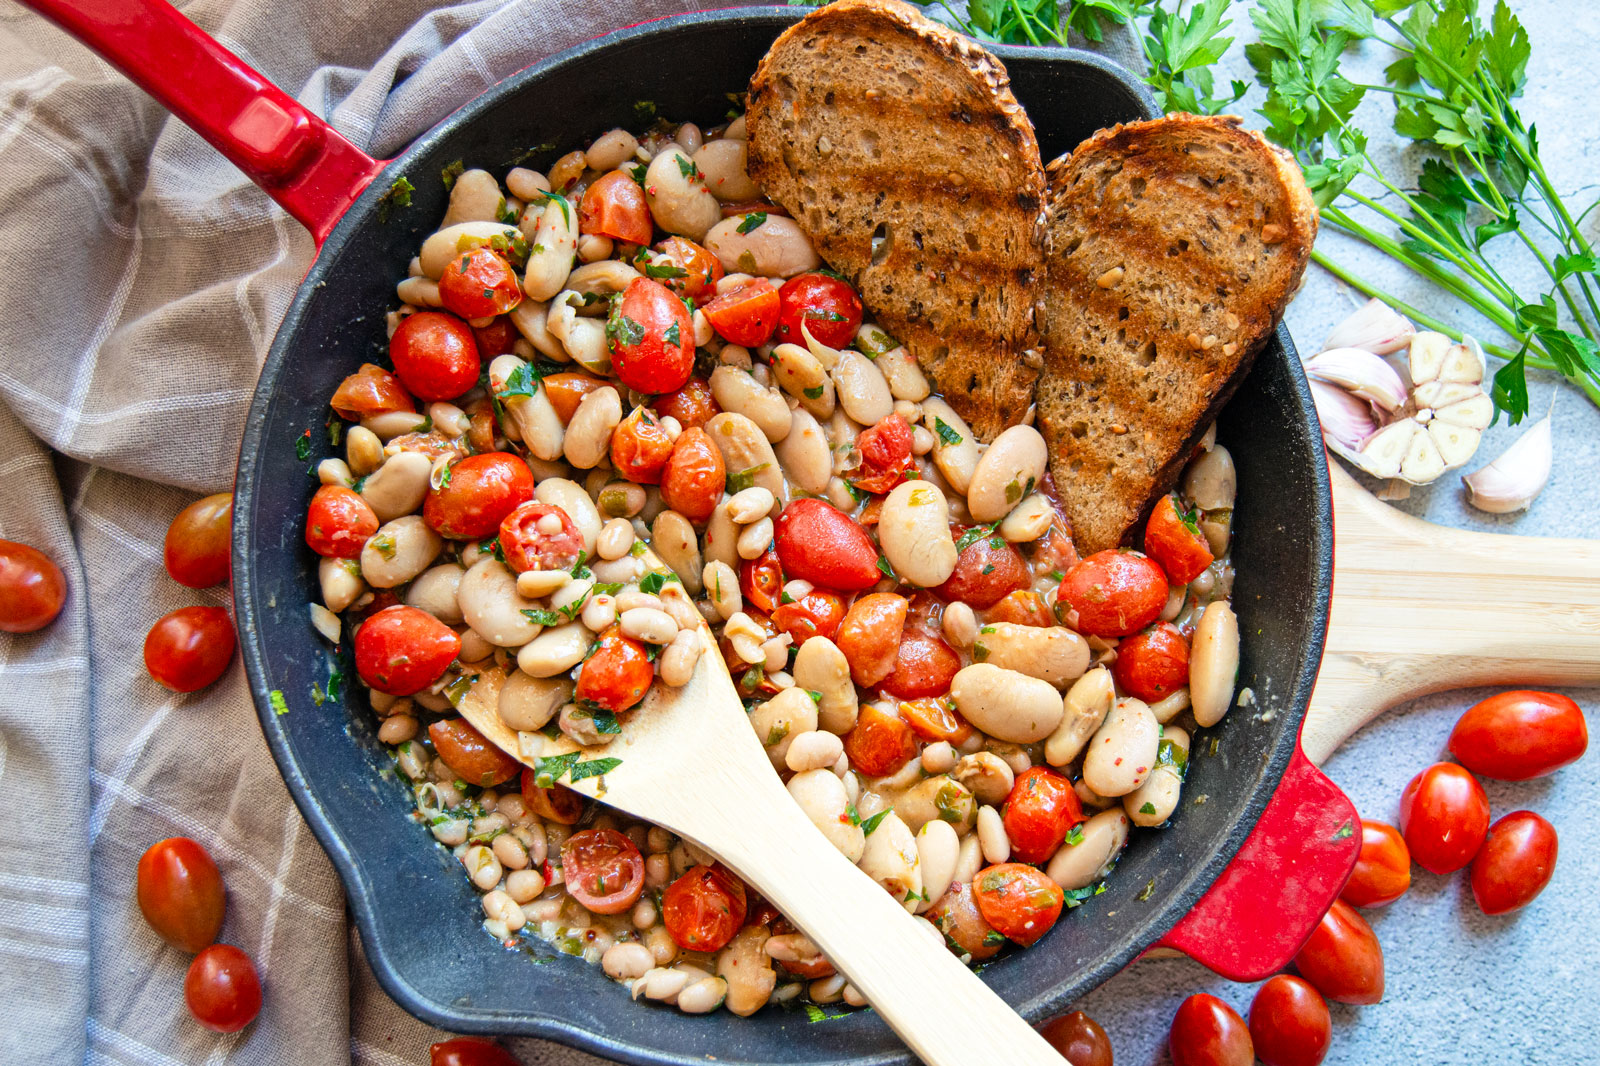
(691, 763)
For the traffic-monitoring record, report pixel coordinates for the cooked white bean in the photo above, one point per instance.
(555, 651)
(615, 540)
(582, 339)
(588, 436)
(890, 858)
(474, 648)
(704, 996)
(649, 625)
(533, 417)
(804, 453)
(802, 375)
(906, 380)
(599, 612)
(626, 960)
(721, 584)
(1028, 520)
(660, 983)
(735, 390)
(935, 799)
(771, 246)
(500, 907)
(782, 718)
(1006, 472)
(570, 497)
(362, 450)
(673, 538)
(528, 703)
(594, 248)
(552, 247)
(435, 590)
(820, 667)
(677, 194)
(524, 886)
(1006, 704)
(722, 537)
(747, 453)
(449, 419)
(1122, 752)
(399, 551)
(938, 757)
(747, 970)
(914, 530)
(680, 658)
(938, 848)
(391, 424)
(992, 836)
(535, 584)
(335, 472)
(754, 539)
(611, 149)
(750, 505)
(862, 390)
(1211, 483)
(1153, 802)
(474, 197)
(340, 582)
(448, 242)
(419, 292)
(1213, 662)
(398, 486)
(526, 184)
(1169, 707)
(823, 799)
(956, 451)
(816, 750)
(397, 729)
(722, 162)
(594, 281)
(1082, 864)
(532, 319)
(986, 776)
(1087, 703)
(960, 624)
(630, 598)
(492, 606)
(482, 866)
(1050, 653)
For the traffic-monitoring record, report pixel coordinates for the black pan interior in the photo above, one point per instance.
(417, 915)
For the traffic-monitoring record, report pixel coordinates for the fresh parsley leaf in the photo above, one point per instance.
(542, 617)
(752, 221)
(655, 580)
(872, 823)
(399, 195)
(451, 172)
(888, 571)
(946, 434)
(593, 768)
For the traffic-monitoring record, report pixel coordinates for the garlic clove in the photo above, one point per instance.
(1521, 472)
(1383, 454)
(1455, 443)
(1362, 373)
(1474, 412)
(1345, 419)
(1437, 394)
(1463, 363)
(1375, 327)
(1427, 356)
(1422, 462)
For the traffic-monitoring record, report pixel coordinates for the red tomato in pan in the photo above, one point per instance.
(540, 536)
(936, 719)
(179, 890)
(470, 754)
(1019, 901)
(480, 492)
(652, 338)
(435, 354)
(617, 672)
(704, 908)
(497, 338)
(821, 544)
(401, 650)
(1289, 1023)
(339, 522)
(1208, 1032)
(189, 648)
(1172, 538)
(956, 915)
(1024, 608)
(1152, 664)
(761, 581)
(1444, 816)
(1038, 814)
(197, 544)
(478, 284)
(640, 447)
(828, 307)
(924, 666)
(1342, 958)
(694, 477)
(879, 743)
(869, 636)
(1518, 735)
(1383, 870)
(371, 390)
(32, 588)
(701, 269)
(558, 803)
(1115, 592)
(222, 989)
(988, 569)
(603, 870)
(816, 614)
(1515, 863)
(469, 1051)
(693, 405)
(745, 315)
(885, 455)
(614, 206)
(566, 392)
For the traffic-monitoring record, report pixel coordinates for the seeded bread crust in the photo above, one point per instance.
(899, 148)
(1173, 247)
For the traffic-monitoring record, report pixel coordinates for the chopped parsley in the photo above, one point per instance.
(888, 571)
(975, 534)
(593, 768)
(946, 434)
(280, 706)
(399, 195)
(450, 173)
(814, 393)
(624, 330)
(673, 335)
(666, 269)
(541, 617)
(653, 582)
(872, 823)
(739, 480)
(754, 220)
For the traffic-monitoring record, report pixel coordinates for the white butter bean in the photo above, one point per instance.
(681, 657)
(1006, 704)
(570, 497)
(1028, 520)
(1086, 705)
(801, 375)
(750, 505)
(722, 162)
(398, 486)
(535, 584)
(955, 452)
(611, 149)
(678, 198)
(822, 797)
(673, 538)
(556, 650)
(492, 606)
(938, 848)
(820, 667)
(528, 703)
(474, 197)
(992, 836)
(448, 242)
(1050, 653)
(774, 247)
(804, 452)
(526, 184)
(914, 530)
(363, 450)
(1211, 482)
(960, 624)
(340, 582)
(737, 391)
(986, 776)
(556, 238)
(649, 625)
(1006, 473)
(1214, 662)
(588, 436)
(906, 380)
(626, 960)
(1153, 802)
(1082, 864)
(863, 392)
(816, 750)
(721, 584)
(746, 451)
(754, 539)
(435, 591)
(615, 540)
(782, 718)
(890, 858)
(1122, 752)
(399, 551)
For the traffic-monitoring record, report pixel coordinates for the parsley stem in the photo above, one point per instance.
(1493, 284)
(1022, 20)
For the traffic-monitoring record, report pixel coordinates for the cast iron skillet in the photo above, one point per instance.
(418, 917)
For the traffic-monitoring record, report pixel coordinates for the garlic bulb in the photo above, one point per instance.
(1362, 374)
(1520, 473)
(1376, 328)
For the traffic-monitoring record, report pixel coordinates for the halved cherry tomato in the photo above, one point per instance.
(924, 666)
(1515, 863)
(1078, 1038)
(1024, 608)
(956, 915)
(222, 989)
(1514, 736)
(566, 392)
(821, 544)
(470, 754)
(197, 544)
(935, 719)
(558, 803)
(652, 338)
(1115, 592)
(371, 390)
(480, 492)
(1173, 539)
(703, 908)
(189, 648)
(617, 672)
(1289, 1023)
(527, 545)
(401, 650)
(614, 206)
(693, 480)
(640, 447)
(1208, 1032)
(469, 1051)
(338, 522)
(987, 570)
(693, 405)
(1383, 870)
(179, 890)
(745, 315)
(869, 636)
(1343, 959)
(1038, 814)
(1019, 901)
(32, 588)
(885, 450)
(477, 284)
(829, 308)
(435, 354)
(1153, 664)
(603, 870)
(497, 338)
(816, 614)
(761, 581)
(879, 743)
(1444, 816)
(701, 269)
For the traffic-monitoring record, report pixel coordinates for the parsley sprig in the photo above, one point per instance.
(1025, 21)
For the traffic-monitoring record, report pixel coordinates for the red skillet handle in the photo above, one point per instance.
(298, 159)
(1260, 911)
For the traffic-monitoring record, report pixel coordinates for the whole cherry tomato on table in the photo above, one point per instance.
(179, 890)
(1116, 593)
(614, 206)
(1039, 812)
(1289, 1023)
(540, 536)
(694, 477)
(469, 1051)
(1079, 1039)
(1019, 901)
(434, 353)
(617, 672)
(652, 338)
(223, 989)
(189, 648)
(197, 544)
(1444, 816)
(988, 569)
(704, 908)
(1343, 958)
(470, 754)
(1515, 863)
(32, 588)
(700, 269)
(603, 870)
(478, 283)
(1173, 539)
(1519, 735)
(879, 743)
(1153, 664)
(371, 390)
(821, 544)
(924, 666)
(746, 314)
(640, 447)
(693, 405)
(338, 522)
(480, 491)
(828, 307)
(1208, 1032)
(401, 650)
(816, 614)
(1383, 869)
(870, 634)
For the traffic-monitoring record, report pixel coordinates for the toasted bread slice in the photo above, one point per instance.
(898, 147)
(1172, 248)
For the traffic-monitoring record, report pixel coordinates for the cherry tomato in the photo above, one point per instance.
(223, 989)
(1115, 592)
(1289, 1023)
(640, 447)
(761, 581)
(1516, 862)
(614, 206)
(816, 614)
(497, 338)
(885, 450)
(1343, 958)
(476, 284)
(436, 354)
(1519, 735)
(617, 672)
(869, 636)
(694, 478)
(703, 908)
(1383, 870)
(956, 915)
(469, 1051)
(179, 889)
(470, 754)
(526, 545)
(32, 588)
(558, 803)
(566, 392)
(401, 650)
(1173, 539)
(1038, 814)
(829, 308)
(1079, 1039)
(821, 544)
(701, 269)
(1024, 608)
(652, 338)
(745, 315)
(988, 569)
(189, 648)
(1444, 817)
(1152, 664)
(1208, 1032)
(693, 405)
(924, 666)
(879, 743)
(371, 390)
(338, 522)
(936, 719)
(1019, 901)
(479, 493)
(196, 549)
(603, 870)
